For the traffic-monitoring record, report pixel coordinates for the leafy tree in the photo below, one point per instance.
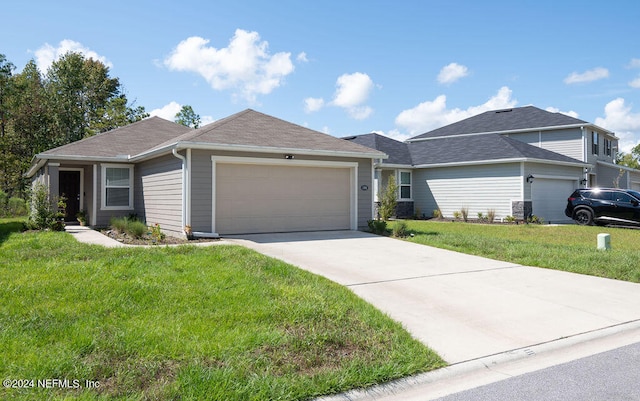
(186, 116)
(630, 159)
(6, 69)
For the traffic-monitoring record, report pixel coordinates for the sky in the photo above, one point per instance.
(398, 68)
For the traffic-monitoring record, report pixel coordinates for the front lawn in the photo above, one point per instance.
(568, 247)
(218, 323)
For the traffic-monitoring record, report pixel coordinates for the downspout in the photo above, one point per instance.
(185, 167)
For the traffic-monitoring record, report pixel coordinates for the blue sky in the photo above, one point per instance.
(399, 68)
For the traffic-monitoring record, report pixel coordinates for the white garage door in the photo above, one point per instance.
(549, 198)
(272, 198)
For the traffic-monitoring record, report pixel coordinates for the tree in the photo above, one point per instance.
(6, 69)
(630, 159)
(187, 117)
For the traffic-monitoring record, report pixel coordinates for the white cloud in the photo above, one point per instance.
(168, 111)
(635, 83)
(302, 58)
(47, 54)
(587, 76)
(567, 113)
(352, 91)
(451, 73)
(434, 114)
(312, 104)
(634, 63)
(619, 118)
(245, 66)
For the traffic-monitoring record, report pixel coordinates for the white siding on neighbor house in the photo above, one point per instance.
(158, 193)
(478, 188)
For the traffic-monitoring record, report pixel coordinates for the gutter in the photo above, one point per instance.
(503, 161)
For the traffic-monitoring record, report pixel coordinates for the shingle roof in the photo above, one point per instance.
(128, 140)
(398, 151)
(458, 149)
(503, 120)
(254, 129)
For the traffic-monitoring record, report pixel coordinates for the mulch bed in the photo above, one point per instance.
(147, 240)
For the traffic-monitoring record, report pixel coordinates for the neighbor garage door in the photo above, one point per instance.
(252, 198)
(549, 198)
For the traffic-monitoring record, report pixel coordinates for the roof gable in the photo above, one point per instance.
(520, 118)
(124, 141)
(252, 129)
(398, 151)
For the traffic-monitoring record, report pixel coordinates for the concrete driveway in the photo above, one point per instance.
(464, 307)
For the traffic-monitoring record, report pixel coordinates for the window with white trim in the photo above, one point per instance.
(404, 186)
(607, 146)
(117, 187)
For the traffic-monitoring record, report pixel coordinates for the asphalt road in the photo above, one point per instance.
(608, 376)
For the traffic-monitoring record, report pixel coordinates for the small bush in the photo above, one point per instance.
(510, 219)
(457, 215)
(3, 202)
(481, 216)
(388, 200)
(491, 215)
(437, 214)
(156, 233)
(400, 229)
(533, 219)
(136, 229)
(42, 214)
(377, 226)
(119, 224)
(465, 213)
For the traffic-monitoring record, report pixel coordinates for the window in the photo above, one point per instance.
(594, 143)
(405, 185)
(117, 187)
(607, 146)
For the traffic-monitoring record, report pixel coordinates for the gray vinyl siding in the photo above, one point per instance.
(611, 177)
(566, 142)
(478, 188)
(201, 182)
(550, 170)
(158, 193)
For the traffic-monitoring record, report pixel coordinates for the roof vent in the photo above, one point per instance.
(504, 111)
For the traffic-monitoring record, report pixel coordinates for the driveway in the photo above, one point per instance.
(463, 307)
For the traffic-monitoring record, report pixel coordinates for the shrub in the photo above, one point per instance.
(156, 233)
(437, 214)
(465, 213)
(17, 207)
(457, 215)
(377, 226)
(400, 229)
(491, 215)
(480, 216)
(42, 214)
(533, 219)
(136, 229)
(510, 219)
(119, 224)
(388, 200)
(3, 202)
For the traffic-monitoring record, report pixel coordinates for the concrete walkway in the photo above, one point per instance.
(471, 310)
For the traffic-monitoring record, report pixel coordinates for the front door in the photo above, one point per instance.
(69, 187)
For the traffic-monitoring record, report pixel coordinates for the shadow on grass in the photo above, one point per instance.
(9, 227)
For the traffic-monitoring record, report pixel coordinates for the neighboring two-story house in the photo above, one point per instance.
(516, 162)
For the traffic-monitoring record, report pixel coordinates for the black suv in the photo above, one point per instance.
(604, 206)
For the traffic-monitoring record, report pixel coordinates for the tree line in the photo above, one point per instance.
(74, 99)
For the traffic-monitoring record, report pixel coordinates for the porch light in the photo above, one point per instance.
(289, 157)
(583, 181)
(530, 178)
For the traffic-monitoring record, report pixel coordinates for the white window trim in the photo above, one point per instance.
(103, 186)
(400, 185)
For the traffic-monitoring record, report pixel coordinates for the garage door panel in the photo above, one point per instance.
(257, 198)
(549, 198)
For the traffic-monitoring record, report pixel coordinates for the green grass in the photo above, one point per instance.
(218, 323)
(569, 247)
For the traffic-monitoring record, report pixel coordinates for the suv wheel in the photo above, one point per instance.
(584, 217)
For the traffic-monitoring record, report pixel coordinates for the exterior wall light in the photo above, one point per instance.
(289, 157)
(530, 178)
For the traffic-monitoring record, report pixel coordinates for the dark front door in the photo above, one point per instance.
(70, 188)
